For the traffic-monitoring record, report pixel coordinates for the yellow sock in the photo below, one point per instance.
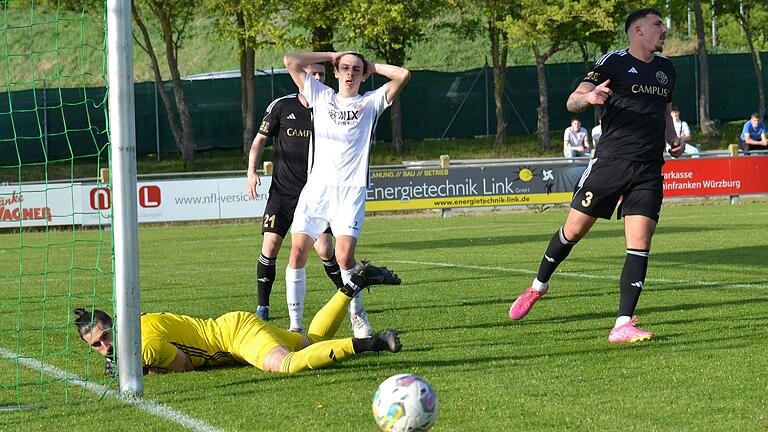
(318, 355)
(328, 319)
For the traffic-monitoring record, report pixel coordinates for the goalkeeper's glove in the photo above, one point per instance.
(109, 367)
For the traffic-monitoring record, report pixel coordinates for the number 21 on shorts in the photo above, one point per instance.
(269, 221)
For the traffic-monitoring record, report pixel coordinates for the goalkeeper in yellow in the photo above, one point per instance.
(180, 343)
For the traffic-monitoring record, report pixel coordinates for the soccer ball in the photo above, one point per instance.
(405, 402)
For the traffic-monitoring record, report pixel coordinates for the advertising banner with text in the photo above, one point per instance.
(182, 200)
(716, 176)
(39, 205)
(390, 189)
(408, 189)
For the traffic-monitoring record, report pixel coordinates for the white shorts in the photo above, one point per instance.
(320, 206)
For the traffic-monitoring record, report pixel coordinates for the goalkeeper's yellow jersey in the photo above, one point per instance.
(162, 333)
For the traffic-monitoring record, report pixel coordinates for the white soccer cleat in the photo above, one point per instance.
(361, 327)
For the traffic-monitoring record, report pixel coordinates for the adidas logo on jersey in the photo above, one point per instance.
(291, 117)
(638, 284)
(632, 70)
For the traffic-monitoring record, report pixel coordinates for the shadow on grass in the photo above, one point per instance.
(679, 307)
(737, 257)
(451, 243)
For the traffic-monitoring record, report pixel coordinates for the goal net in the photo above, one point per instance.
(55, 244)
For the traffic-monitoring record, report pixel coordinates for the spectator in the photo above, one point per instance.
(596, 132)
(575, 142)
(683, 134)
(753, 135)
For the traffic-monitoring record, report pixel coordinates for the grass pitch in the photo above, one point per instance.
(705, 297)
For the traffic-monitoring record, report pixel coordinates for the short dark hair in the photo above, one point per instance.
(85, 320)
(575, 118)
(756, 116)
(674, 108)
(358, 55)
(638, 14)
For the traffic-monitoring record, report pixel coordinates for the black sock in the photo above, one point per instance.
(355, 285)
(265, 273)
(333, 271)
(558, 249)
(362, 345)
(632, 280)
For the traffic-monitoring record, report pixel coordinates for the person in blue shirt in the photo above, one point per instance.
(753, 135)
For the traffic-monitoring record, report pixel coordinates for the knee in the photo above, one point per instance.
(273, 361)
(270, 249)
(324, 248)
(346, 259)
(299, 253)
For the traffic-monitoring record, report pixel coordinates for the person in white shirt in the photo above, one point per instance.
(683, 134)
(338, 170)
(575, 140)
(597, 131)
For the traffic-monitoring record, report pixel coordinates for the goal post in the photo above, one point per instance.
(68, 234)
(122, 126)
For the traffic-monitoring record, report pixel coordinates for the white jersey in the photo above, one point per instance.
(343, 131)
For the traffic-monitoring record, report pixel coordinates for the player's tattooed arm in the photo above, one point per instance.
(588, 94)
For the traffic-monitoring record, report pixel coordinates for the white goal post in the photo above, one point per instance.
(122, 126)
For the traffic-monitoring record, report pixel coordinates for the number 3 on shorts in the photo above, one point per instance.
(587, 201)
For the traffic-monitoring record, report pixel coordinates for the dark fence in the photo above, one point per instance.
(65, 123)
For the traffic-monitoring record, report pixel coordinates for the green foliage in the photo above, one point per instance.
(261, 23)
(389, 28)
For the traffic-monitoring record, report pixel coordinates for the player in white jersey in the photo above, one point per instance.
(335, 191)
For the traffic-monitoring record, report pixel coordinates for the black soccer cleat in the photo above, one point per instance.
(372, 275)
(388, 340)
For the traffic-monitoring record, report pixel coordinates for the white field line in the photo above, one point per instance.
(148, 406)
(581, 275)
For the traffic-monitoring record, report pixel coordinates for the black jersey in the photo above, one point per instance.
(634, 119)
(291, 122)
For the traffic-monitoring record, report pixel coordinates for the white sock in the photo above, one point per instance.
(539, 286)
(295, 291)
(621, 320)
(356, 305)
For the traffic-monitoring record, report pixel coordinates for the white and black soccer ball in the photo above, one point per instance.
(405, 402)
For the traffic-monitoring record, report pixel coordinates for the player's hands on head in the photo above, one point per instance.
(254, 181)
(600, 94)
(337, 55)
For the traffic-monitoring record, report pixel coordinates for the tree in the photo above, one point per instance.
(744, 12)
(547, 27)
(253, 24)
(172, 16)
(497, 11)
(319, 18)
(389, 28)
(707, 129)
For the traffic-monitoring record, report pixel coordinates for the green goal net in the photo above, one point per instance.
(55, 246)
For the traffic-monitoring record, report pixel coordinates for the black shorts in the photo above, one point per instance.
(639, 186)
(278, 214)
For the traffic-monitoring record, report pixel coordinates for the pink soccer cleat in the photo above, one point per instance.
(628, 333)
(524, 303)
